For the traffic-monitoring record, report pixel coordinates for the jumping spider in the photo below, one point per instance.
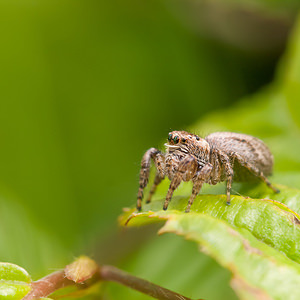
(218, 157)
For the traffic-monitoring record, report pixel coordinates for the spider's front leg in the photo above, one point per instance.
(201, 177)
(157, 180)
(158, 159)
(186, 171)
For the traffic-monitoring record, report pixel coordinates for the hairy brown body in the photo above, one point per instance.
(218, 157)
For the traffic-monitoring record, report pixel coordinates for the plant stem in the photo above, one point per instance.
(111, 273)
(48, 285)
(58, 280)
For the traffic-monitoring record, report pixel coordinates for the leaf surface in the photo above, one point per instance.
(15, 282)
(240, 237)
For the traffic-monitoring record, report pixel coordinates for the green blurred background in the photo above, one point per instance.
(87, 86)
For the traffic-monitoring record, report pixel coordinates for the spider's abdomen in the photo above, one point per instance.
(250, 148)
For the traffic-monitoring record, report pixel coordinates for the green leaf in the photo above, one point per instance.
(290, 197)
(230, 234)
(268, 220)
(15, 282)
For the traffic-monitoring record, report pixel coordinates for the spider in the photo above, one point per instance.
(218, 157)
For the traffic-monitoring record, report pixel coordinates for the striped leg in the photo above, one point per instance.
(186, 171)
(157, 181)
(158, 159)
(203, 174)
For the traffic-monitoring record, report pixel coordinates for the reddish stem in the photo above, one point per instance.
(57, 280)
(113, 274)
(48, 285)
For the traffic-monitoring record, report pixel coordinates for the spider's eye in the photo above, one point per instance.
(170, 137)
(183, 140)
(176, 139)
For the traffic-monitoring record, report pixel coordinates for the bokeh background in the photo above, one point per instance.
(87, 86)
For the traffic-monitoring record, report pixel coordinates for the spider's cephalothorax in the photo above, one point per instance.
(218, 157)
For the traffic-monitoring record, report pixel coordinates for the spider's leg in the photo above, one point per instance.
(157, 181)
(159, 161)
(203, 174)
(186, 171)
(254, 170)
(215, 175)
(229, 173)
(156, 155)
